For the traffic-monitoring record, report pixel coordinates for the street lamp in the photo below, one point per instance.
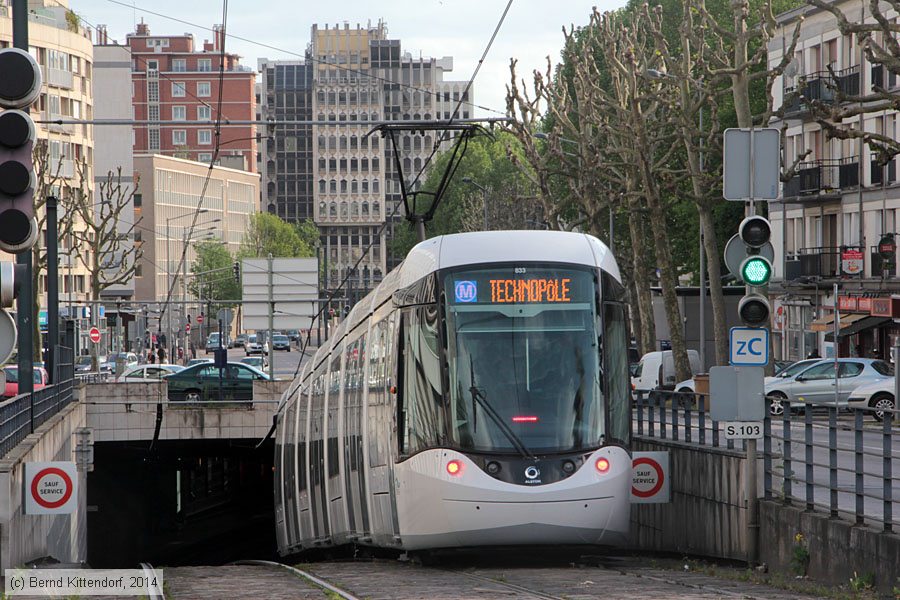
(169, 270)
(612, 223)
(483, 199)
(661, 75)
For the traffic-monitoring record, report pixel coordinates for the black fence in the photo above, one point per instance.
(21, 415)
(814, 455)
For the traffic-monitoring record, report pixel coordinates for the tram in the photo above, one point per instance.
(479, 396)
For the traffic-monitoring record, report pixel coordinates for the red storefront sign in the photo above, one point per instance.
(886, 307)
(864, 305)
(848, 303)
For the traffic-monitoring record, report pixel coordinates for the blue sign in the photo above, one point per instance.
(466, 291)
(749, 346)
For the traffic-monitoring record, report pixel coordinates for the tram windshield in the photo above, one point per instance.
(524, 360)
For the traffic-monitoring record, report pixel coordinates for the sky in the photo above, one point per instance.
(531, 31)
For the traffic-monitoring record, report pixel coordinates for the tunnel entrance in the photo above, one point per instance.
(185, 502)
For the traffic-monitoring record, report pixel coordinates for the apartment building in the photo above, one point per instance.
(64, 50)
(173, 81)
(837, 223)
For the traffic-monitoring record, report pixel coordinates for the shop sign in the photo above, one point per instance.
(864, 304)
(847, 303)
(852, 262)
(886, 307)
(887, 247)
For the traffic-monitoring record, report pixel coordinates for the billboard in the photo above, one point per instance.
(294, 287)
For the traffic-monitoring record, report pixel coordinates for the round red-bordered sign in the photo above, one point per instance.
(94, 335)
(659, 481)
(37, 480)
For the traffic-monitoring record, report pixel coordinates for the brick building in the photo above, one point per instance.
(173, 81)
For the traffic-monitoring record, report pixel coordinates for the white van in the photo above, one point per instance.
(657, 370)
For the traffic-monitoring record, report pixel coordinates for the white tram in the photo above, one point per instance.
(478, 396)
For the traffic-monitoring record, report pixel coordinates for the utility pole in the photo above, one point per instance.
(271, 322)
(52, 289)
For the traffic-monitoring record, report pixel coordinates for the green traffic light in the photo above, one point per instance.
(756, 270)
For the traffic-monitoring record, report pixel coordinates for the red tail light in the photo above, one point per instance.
(602, 465)
(525, 419)
(454, 467)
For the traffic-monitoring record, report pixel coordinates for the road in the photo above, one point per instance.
(285, 362)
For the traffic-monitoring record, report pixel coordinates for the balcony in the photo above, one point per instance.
(821, 86)
(59, 78)
(878, 79)
(823, 262)
(823, 179)
(880, 267)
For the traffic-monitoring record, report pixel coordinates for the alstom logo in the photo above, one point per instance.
(466, 291)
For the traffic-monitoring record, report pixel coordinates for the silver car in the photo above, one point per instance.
(817, 385)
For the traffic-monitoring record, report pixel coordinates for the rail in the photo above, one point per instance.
(813, 455)
(22, 414)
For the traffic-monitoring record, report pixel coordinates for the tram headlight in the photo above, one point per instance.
(602, 465)
(454, 467)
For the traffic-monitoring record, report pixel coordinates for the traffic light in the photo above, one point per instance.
(755, 270)
(236, 269)
(20, 86)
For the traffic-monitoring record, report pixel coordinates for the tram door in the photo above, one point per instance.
(302, 473)
(354, 480)
(379, 423)
(335, 486)
(289, 480)
(319, 501)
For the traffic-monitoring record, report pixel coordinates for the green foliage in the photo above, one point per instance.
(861, 583)
(486, 162)
(214, 279)
(269, 234)
(308, 232)
(799, 556)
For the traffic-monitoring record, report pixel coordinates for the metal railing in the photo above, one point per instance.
(843, 465)
(842, 462)
(21, 415)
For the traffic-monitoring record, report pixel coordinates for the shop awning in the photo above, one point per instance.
(823, 324)
(856, 325)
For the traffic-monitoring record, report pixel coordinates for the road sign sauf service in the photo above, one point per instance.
(650, 481)
(50, 488)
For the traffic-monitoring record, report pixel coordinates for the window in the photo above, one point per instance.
(852, 369)
(179, 65)
(204, 136)
(204, 113)
(204, 64)
(203, 89)
(178, 89)
(179, 137)
(205, 157)
(179, 113)
(421, 412)
(822, 371)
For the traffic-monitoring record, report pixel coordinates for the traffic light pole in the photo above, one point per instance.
(25, 304)
(52, 288)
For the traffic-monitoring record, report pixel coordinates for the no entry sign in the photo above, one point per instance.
(50, 488)
(650, 477)
(95, 335)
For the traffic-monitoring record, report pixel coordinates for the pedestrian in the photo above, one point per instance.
(161, 354)
(150, 357)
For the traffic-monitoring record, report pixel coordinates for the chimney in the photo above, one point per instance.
(207, 46)
(102, 38)
(142, 28)
(218, 37)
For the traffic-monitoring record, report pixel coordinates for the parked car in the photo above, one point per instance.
(201, 382)
(817, 384)
(240, 340)
(252, 346)
(41, 379)
(198, 361)
(126, 359)
(792, 369)
(258, 362)
(281, 342)
(877, 394)
(83, 364)
(656, 370)
(294, 335)
(212, 342)
(147, 373)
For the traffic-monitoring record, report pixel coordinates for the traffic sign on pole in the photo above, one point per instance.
(751, 166)
(94, 335)
(187, 328)
(650, 478)
(748, 346)
(50, 488)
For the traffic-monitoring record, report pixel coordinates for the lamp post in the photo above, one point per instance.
(169, 273)
(483, 199)
(660, 75)
(612, 223)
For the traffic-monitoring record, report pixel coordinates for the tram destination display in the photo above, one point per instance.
(521, 285)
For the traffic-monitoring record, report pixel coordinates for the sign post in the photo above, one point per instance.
(50, 488)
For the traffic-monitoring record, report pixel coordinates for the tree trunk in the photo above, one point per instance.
(647, 330)
(716, 295)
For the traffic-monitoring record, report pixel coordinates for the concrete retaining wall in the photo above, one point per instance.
(838, 550)
(25, 538)
(707, 515)
(127, 412)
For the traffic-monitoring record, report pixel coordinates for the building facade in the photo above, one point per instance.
(173, 81)
(837, 222)
(351, 79)
(65, 52)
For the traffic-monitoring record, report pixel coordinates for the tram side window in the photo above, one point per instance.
(300, 436)
(334, 392)
(617, 380)
(377, 398)
(316, 435)
(422, 421)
